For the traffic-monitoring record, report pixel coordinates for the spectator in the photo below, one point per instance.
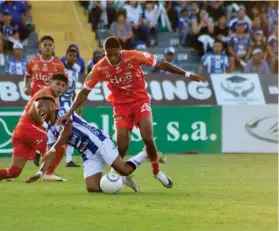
(96, 9)
(202, 29)
(134, 16)
(221, 30)
(172, 14)
(216, 61)
(20, 15)
(258, 25)
(111, 12)
(150, 20)
(8, 35)
(259, 43)
(241, 17)
(184, 26)
(97, 56)
(216, 10)
(122, 30)
(272, 13)
(272, 49)
(257, 64)
(16, 64)
(169, 57)
(194, 12)
(239, 46)
(79, 62)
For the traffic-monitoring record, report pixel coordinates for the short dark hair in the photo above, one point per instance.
(219, 41)
(60, 76)
(71, 50)
(111, 42)
(46, 37)
(45, 97)
(121, 12)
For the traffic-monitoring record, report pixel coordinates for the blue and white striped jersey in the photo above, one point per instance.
(85, 138)
(73, 75)
(214, 63)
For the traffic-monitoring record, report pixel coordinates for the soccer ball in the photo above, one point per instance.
(111, 183)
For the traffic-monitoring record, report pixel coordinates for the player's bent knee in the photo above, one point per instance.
(14, 172)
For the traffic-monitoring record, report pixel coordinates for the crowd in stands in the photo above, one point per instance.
(15, 27)
(228, 35)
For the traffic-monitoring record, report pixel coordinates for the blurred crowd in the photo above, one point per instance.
(228, 35)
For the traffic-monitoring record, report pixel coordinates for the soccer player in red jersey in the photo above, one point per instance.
(29, 135)
(40, 69)
(131, 105)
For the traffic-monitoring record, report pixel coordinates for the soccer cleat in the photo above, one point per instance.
(164, 179)
(53, 177)
(130, 182)
(72, 164)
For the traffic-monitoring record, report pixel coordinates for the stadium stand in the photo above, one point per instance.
(87, 24)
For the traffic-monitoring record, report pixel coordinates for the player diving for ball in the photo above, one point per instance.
(96, 148)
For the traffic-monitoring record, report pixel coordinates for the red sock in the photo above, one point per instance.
(155, 164)
(56, 161)
(11, 172)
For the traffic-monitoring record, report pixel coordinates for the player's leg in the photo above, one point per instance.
(14, 170)
(123, 140)
(146, 131)
(93, 182)
(20, 155)
(69, 157)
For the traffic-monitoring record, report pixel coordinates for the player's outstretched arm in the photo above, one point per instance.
(81, 97)
(27, 84)
(166, 66)
(47, 160)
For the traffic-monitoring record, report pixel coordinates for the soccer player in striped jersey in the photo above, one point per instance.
(95, 147)
(65, 100)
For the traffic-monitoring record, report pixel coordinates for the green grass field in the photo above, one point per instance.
(210, 193)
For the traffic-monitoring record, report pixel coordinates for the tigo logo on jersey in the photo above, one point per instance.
(237, 89)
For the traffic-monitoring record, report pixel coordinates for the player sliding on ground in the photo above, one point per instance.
(29, 135)
(96, 148)
(131, 105)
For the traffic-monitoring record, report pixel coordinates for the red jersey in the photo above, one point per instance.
(125, 80)
(46, 91)
(41, 71)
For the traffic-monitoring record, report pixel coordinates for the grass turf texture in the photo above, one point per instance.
(210, 193)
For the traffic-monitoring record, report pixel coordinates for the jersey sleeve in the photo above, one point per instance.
(204, 60)
(51, 139)
(144, 58)
(92, 79)
(61, 68)
(227, 62)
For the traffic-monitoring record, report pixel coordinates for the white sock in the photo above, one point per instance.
(138, 159)
(123, 178)
(69, 153)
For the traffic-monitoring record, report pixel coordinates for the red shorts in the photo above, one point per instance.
(27, 139)
(129, 115)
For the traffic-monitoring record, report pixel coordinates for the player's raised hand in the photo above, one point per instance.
(33, 179)
(196, 77)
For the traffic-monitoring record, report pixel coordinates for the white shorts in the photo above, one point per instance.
(106, 154)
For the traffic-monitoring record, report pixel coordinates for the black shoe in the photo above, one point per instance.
(37, 159)
(72, 164)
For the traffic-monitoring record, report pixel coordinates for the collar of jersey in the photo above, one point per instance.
(47, 61)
